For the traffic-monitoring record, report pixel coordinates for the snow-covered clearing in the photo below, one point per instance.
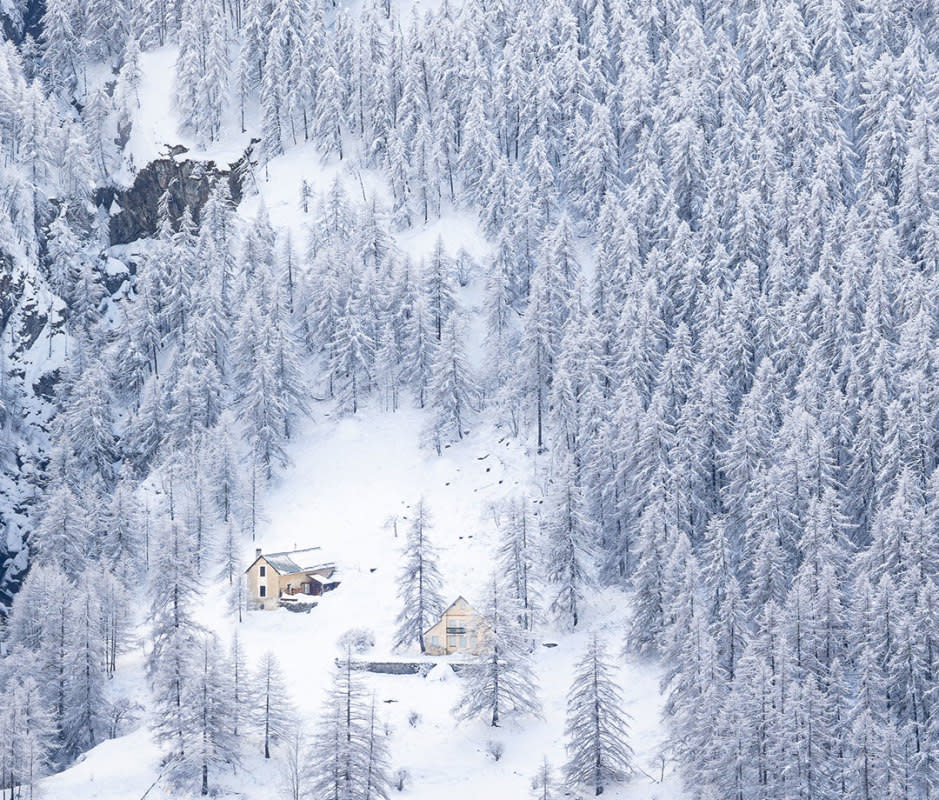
(348, 478)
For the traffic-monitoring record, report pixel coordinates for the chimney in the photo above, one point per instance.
(257, 552)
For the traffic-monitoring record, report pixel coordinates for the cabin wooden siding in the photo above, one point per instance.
(262, 574)
(460, 630)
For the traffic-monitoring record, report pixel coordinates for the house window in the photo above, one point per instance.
(435, 641)
(451, 641)
(262, 591)
(262, 571)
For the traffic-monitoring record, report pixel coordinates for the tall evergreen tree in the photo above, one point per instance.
(418, 582)
(597, 726)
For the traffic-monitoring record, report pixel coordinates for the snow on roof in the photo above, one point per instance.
(295, 561)
(325, 580)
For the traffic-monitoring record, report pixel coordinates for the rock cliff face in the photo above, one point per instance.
(19, 17)
(21, 323)
(28, 395)
(8, 291)
(188, 182)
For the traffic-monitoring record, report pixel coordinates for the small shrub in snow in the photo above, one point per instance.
(402, 776)
(358, 640)
(414, 719)
(495, 749)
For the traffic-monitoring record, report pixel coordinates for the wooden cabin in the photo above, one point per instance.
(275, 576)
(460, 630)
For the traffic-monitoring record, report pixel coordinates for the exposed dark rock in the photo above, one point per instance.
(113, 281)
(299, 607)
(33, 324)
(45, 386)
(188, 182)
(9, 294)
(25, 18)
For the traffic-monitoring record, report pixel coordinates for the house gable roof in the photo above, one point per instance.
(460, 606)
(456, 603)
(293, 561)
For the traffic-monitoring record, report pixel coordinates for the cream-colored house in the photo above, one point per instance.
(276, 576)
(460, 630)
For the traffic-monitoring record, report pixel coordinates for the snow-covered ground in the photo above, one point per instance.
(348, 477)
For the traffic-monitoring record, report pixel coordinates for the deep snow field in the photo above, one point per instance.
(348, 478)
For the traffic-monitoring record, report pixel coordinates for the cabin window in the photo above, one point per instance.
(262, 571)
(262, 591)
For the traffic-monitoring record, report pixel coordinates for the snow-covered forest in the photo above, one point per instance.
(681, 257)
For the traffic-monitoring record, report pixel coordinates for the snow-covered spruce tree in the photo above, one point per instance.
(350, 751)
(440, 286)
(647, 623)
(88, 420)
(517, 556)
(452, 393)
(597, 728)
(330, 117)
(64, 529)
(83, 725)
(121, 523)
(174, 659)
(202, 68)
(420, 347)
(352, 350)
(27, 730)
(500, 680)
(272, 717)
(568, 541)
(62, 57)
(261, 407)
(207, 743)
(418, 582)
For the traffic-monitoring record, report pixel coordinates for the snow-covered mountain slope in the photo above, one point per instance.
(284, 276)
(349, 476)
(351, 484)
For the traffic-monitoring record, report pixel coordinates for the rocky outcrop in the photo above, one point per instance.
(8, 292)
(21, 17)
(188, 182)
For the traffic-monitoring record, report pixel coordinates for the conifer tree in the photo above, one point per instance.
(452, 391)
(350, 752)
(273, 716)
(500, 681)
(569, 543)
(597, 728)
(418, 582)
